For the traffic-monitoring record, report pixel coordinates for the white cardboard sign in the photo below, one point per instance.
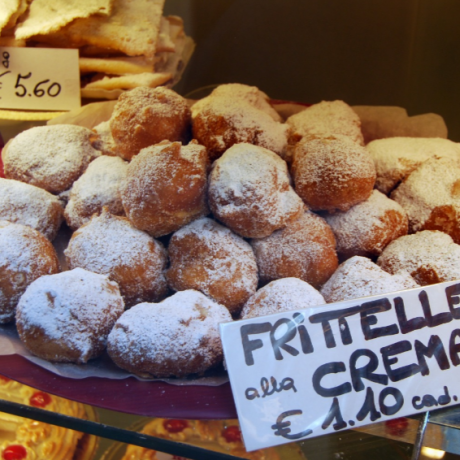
(39, 78)
(300, 374)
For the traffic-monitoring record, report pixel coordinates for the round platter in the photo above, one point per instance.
(132, 396)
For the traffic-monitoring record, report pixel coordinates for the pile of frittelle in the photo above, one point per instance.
(183, 218)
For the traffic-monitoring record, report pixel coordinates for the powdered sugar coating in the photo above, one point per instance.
(250, 94)
(212, 259)
(104, 140)
(305, 249)
(369, 226)
(112, 246)
(51, 157)
(429, 256)
(165, 187)
(285, 294)
(219, 122)
(250, 192)
(431, 196)
(25, 255)
(98, 186)
(176, 337)
(325, 119)
(67, 317)
(333, 173)
(360, 277)
(396, 157)
(146, 116)
(29, 205)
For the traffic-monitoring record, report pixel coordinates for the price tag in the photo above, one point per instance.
(300, 374)
(39, 78)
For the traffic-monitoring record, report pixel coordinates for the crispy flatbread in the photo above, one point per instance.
(132, 28)
(45, 16)
(130, 81)
(116, 66)
(7, 9)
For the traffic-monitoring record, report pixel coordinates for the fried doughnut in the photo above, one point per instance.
(332, 174)
(325, 119)
(174, 338)
(212, 259)
(360, 277)
(50, 157)
(67, 317)
(429, 256)
(223, 119)
(368, 227)
(396, 157)
(98, 186)
(165, 187)
(250, 192)
(25, 255)
(305, 249)
(112, 246)
(146, 116)
(431, 197)
(29, 205)
(281, 295)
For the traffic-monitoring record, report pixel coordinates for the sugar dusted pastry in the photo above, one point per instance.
(250, 191)
(431, 197)
(112, 246)
(67, 317)
(304, 249)
(281, 295)
(51, 157)
(360, 277)
(174, 338)
(325, 119)
(104, 140)
(97, 187)
(146, 116)
(396, 157)
(368, 227)
(235, 114)
(29, 205)
(333, 173)
(210, 258)
(25, 255)
(165, 187)
(429, 256)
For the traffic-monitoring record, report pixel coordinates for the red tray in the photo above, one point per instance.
(132, 396)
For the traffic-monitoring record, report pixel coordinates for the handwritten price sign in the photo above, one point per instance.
(39, 78)
(301, 374)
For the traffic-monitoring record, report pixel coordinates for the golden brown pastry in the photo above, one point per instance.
(305, 249)
(325, 119)
(50, 157)
(333, 173)
(210, 258)
(431, 197)
(368, 227)
(67, 317)
(281, 295)
(250, 191)
(234, 114)
(25, 255)
(29, 205)
(174, 338)
(165, 187)
(97, 187)
(146, 116)
(360, 277)
(112, 246)
(428, 256)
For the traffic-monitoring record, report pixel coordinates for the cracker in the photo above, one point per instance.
(7, 10)
(44, 16)
(130, 81)
(132, 28)
(115, 66)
